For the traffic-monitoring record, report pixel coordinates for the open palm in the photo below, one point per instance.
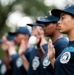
(51, 50)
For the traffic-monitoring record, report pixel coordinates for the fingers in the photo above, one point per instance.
(10, 43)
(40, 33)
(23, 43)
(50, 46)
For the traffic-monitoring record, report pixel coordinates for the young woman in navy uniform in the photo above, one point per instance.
(64, 63)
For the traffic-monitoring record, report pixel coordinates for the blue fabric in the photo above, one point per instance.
(22, 30)
(34, 68)
(48, 19)
(59, 45)
(70, 49)
(10, 36)
(64, 64)
(45, 47)
(36, 24)
(19, 70)
(7, 72)
(69, 9)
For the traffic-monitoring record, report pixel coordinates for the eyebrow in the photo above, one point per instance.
(62, 14)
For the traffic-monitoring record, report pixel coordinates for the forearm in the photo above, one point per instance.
(7, 60)
(41, 43)
(42, 49)
(25, 62)
(6, 56)
(52, 62)
(41, 52)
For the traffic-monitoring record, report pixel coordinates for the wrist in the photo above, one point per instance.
(21, 54)
(53, 59)
(43, 42)
(38, 47)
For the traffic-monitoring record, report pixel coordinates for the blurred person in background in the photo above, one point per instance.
(5, 65)
(21, 37)
(37, 53)
(34, 64)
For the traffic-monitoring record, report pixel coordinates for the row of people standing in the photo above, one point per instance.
(52, 58)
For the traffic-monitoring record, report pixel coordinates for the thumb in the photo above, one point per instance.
(39, 32)
(49, 45)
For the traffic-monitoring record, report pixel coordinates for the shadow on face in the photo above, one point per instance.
(49, 29)
(18, 38)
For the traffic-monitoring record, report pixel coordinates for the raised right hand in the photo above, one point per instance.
(51, 51)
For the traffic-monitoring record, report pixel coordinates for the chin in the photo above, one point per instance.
(18, 44)
(63, 32)
(46, 35)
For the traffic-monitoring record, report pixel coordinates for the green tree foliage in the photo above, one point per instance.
(29, 7)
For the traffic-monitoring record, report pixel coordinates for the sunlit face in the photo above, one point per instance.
(49, 29)
(66, 23)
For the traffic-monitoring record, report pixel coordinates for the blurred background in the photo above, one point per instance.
(14, 13)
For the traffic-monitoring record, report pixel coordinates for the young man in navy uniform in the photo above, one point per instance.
(59, 42)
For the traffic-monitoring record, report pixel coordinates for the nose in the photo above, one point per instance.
(44, 28)
(59, 22)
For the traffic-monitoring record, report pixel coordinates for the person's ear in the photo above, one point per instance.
(56, 26)
(73, 21)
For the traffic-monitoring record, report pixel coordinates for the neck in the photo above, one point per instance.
(71, 35)
(56, 36)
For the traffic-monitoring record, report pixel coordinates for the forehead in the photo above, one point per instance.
(65, 14)
(36, 27)
(48, 24)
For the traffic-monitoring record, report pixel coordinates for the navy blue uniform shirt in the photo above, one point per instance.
(4, 70)
(64, 64)
(35, 63)
(59, 45)
(34, 67)
(17, 63)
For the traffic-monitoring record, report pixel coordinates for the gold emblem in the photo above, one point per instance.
(38, 18)
(50, 13)
(46, 16)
